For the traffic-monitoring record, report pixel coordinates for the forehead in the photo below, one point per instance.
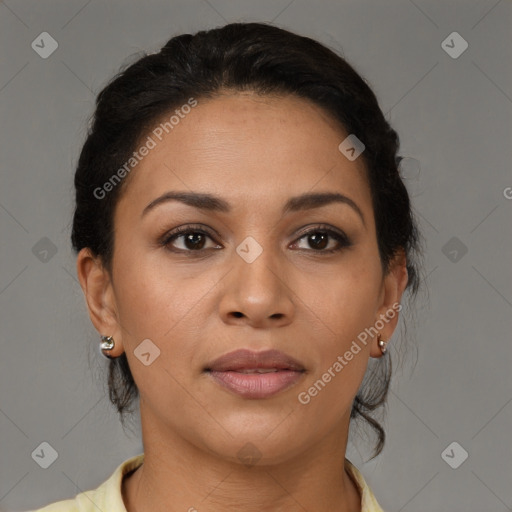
(248, 148)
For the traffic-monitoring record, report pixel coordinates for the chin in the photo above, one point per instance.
(256, 440)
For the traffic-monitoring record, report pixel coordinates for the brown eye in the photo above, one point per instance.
(192, 239)
(318, 240)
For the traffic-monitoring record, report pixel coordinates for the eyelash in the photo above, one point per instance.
(340, 237)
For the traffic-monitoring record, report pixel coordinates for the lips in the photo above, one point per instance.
(248, 360)
(255, 374)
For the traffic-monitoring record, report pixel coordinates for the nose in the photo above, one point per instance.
(257, 293)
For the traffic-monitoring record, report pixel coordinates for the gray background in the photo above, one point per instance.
(454, 119)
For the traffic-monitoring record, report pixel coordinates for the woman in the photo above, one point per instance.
(244, 240)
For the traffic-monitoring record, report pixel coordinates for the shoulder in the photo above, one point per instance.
(368, 501)
(60, 506)
(107, 496)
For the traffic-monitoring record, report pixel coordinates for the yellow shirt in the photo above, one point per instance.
(108, 498)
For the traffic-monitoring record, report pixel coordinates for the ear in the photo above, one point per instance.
(393, 286)
(96, 284)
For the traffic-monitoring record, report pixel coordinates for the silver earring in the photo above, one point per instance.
(382, 345)
(107, 343)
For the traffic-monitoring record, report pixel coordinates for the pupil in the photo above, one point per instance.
(192, 238)
(323, 242)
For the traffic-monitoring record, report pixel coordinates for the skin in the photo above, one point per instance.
(254, 152)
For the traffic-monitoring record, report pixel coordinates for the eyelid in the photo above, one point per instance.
(339, 235)
(321, 227)
(183, 230)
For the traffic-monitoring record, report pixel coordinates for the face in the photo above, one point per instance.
(256, 268)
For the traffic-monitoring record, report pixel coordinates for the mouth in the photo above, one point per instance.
(255, 375)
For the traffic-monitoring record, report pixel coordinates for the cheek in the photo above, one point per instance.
(153, 295)
(345, 301)
(163, 302)
(155, 302)
(343, 306)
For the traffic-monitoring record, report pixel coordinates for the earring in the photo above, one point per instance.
(382, 344)
(107, 343)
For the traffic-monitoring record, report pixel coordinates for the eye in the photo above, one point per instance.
(192, 238)
(318, 239)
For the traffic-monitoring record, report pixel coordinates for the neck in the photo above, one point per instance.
(178, 476)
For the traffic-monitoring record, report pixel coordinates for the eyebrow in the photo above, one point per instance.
(213, 203)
